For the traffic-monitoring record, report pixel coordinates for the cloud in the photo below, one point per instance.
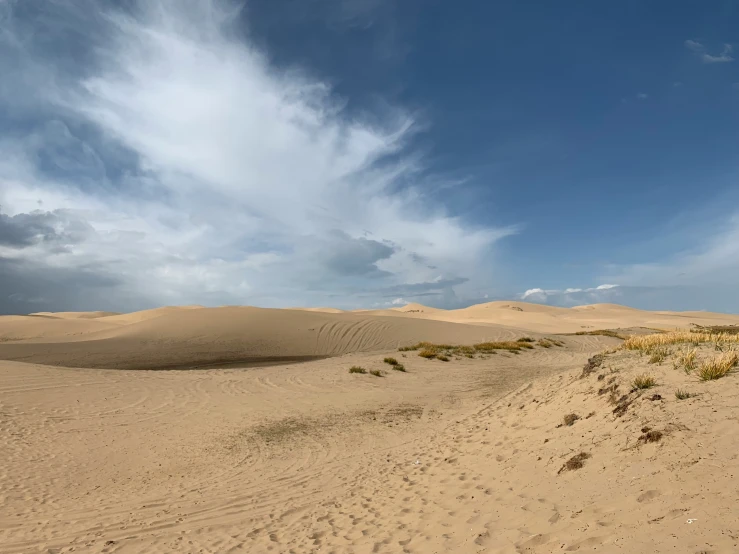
(573, 296)
(724, 57)
(163, 148)
(642, 96)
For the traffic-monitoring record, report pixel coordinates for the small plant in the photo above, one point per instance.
(390, 361)
(427, 353)
(570, 419)
(576, 462)
(357, 369)
(442, 357)
(399, 367)
(525, 339)
(376, 372)
(687, 360)
(545, 343)
(683, 394)
(650, 436)
(658, 355)
(718, 366)
(643, 381)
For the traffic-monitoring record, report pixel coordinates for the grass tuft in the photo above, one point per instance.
(428, 353)
(357, 369)
(643, 381)
(687, 360)
(390, 361)
(651, 436)
(683, 394)
(376, 372)
(604, 333)
(658, 354)
(442, 357)
(399, 367)
(525, 339)
(718, 366)
(570, 419)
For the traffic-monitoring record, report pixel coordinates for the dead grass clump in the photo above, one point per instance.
(643, 381)
(604, 333)
(592, 364)
(687, 360)
(622, 404)
(681, 394)
(399, 367)
(525, 339)
(428, 353)
(718, 366)
(545, 343)
(650, 436)
(570, 419)
(376, 372)
(658, 354)
(357, 369)
(728, 329)
(390, 361)
(442, 357)
(511, 346)
(574, 463)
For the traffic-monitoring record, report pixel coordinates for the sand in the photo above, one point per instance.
(112, 442)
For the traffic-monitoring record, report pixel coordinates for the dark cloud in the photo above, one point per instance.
(356, 257)
(59, 227)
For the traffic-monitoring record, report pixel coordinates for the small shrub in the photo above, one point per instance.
(427, 353)
(525, 339)
(576, 462)
(718, 366)
(643, 381)
(390, 361)
(650, 436)
(687, 360)
(442, 357)
(570, 419)
(545, 343)
(399, 367)
(683, 394)
(357, 369)
(376, 372)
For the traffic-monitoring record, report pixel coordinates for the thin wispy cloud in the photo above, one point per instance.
(724, 56)
(180, 161)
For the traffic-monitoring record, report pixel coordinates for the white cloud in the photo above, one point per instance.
(724, 57)
(572, 296)
(642, 96)
(236, 176)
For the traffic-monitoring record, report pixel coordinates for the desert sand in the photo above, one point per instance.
(240, 429)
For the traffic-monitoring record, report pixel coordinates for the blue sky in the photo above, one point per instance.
(368, 153)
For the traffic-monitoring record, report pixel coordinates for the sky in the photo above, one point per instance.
(368, 153)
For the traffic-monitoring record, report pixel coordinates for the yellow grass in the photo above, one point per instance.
(643, 381)
(647, 343)
(718, 366)
(687, 360)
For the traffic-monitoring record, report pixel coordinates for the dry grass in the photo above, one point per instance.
(428, 353)
(442, 357)
(604, 333)
(441, 351)
(525, 339)
(687, 360)
(658, 354)
(592, 364)
(399, 367)
(643, 381)
(357, 369)
(570, 419)
(390, 361)
(718, 366)
(376, 372)
(576, 462)
(647, 343)
(683, 394)
(650, 436)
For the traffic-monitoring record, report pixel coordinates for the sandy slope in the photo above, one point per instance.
(461, 456)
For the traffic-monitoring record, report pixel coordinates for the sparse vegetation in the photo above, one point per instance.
(643, 381)
(576, 462)
(442, 357)
(603, 332)
(390, 361)
(357, 369)
(525, 339)
(399, 367)
(376, 372)
(686, 359)
(649, 435)
(430, 350)
(646, 343)
(658, 354)
(681, 394)
(428, 353)
(545, 343)
(718, 366)
(570, 419)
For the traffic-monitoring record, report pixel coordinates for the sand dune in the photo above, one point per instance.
(276, 447)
